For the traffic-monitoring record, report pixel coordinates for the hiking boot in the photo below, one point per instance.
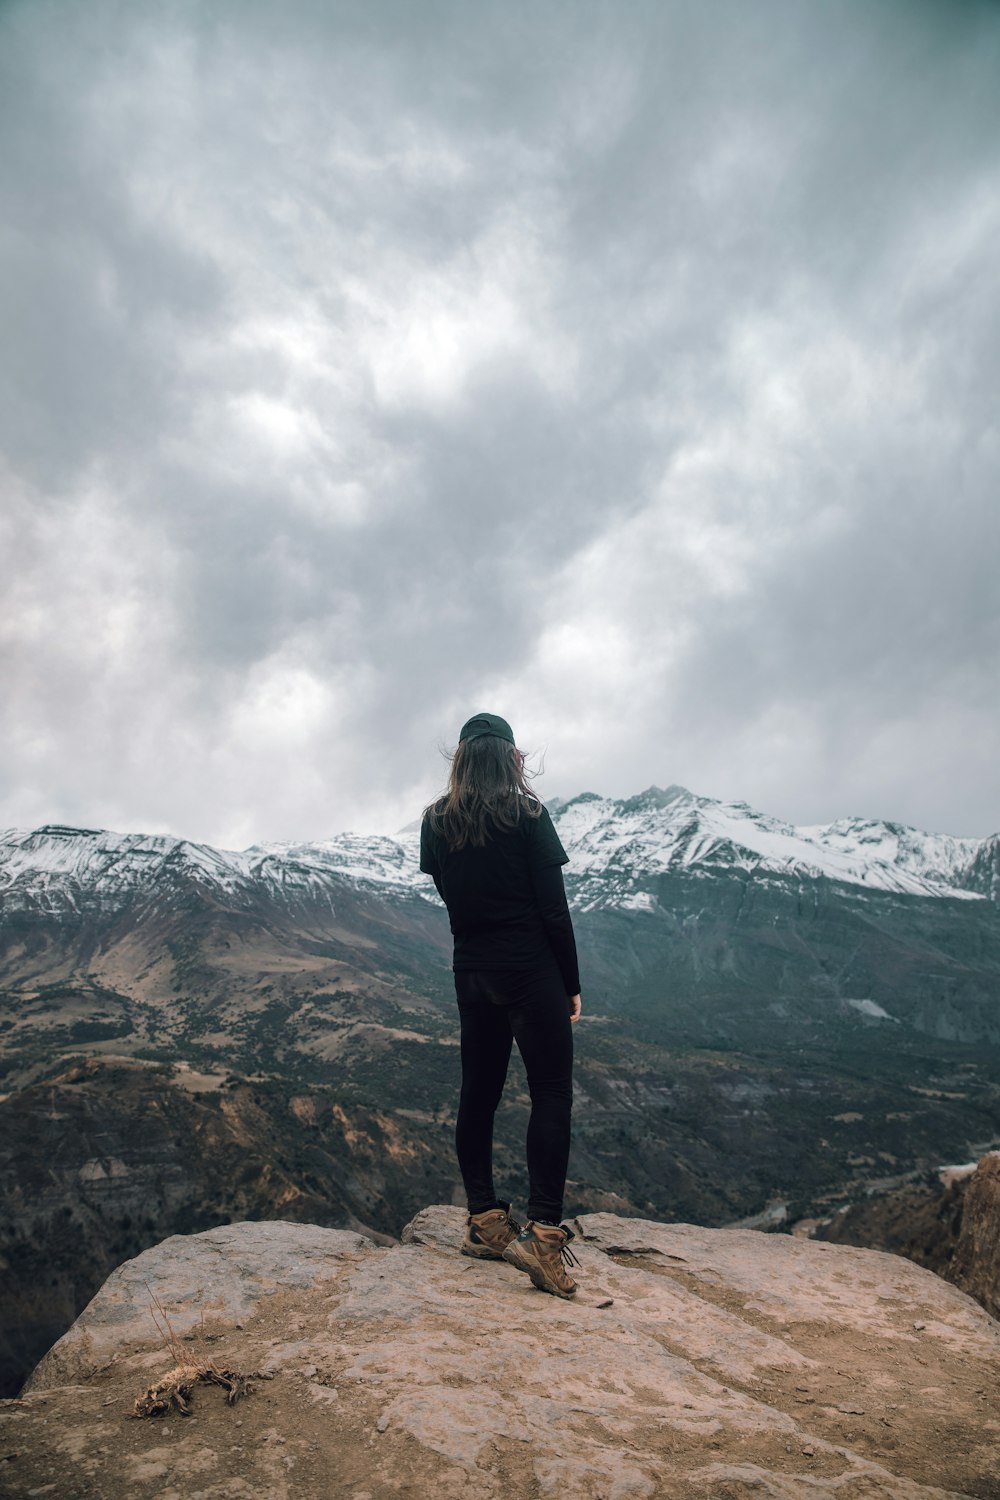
(488, 1234)
(543, 1251)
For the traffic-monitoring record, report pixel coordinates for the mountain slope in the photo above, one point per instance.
(695, 914)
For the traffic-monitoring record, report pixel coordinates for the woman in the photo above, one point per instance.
(496, 860)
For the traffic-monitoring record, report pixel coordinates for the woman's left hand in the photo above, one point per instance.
(575, 1007)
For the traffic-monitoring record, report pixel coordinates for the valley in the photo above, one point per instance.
(190, 1037)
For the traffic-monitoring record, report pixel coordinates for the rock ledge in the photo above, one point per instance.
(694, 1362)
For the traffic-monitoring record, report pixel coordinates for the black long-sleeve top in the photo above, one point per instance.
(506, 900)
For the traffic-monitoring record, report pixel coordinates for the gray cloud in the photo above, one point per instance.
(628, 369)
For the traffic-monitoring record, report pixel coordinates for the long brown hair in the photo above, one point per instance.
(487, 790)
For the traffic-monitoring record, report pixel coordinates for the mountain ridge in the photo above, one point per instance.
(616, 846)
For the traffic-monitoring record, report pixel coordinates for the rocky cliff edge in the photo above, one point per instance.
(694, 1362)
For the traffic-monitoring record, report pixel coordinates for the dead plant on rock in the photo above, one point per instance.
(174, 1389)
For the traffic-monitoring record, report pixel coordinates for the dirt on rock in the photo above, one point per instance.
(693, 1363)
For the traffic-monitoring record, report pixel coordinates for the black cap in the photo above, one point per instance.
(480, 724)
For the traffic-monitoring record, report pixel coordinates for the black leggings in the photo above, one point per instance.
(498, 1007)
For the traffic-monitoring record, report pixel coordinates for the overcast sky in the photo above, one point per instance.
(631, 370)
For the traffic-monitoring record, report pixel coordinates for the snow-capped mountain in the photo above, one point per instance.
(617, 849)
(616, 846)
(56, 868)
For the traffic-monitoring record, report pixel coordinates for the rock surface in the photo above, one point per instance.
(221, 1274)
(975, 1264)
(693, 1362)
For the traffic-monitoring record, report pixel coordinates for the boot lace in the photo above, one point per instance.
(567, 1257)
(565, 1253)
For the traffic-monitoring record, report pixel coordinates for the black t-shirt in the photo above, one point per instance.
(506, 901)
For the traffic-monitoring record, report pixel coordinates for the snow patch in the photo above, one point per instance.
(637, 901)
(870, 1008)
(948, 1175)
